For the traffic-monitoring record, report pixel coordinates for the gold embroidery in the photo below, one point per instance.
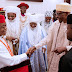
(23, 20)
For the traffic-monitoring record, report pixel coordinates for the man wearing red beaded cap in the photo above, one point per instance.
(23, 17)
(6, 56)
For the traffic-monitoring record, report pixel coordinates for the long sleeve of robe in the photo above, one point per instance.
(47, 39)
(56, 38)
(7, 60)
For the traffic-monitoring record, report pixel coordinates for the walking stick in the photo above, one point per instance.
(44, 59)
(15, 47)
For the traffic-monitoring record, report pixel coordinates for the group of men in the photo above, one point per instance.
(56, 38)
(21, 31)
(31, 39)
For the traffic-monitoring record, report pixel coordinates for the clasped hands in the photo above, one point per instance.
(30, 51)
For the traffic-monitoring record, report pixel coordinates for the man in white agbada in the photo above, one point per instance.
(30, 36)
(12, 21)
(6, 56)
(56, 37)
(47, 22)
(23, 16)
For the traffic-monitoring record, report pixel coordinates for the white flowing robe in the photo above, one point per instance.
(13, 27)
(13, 30)
(6, 59)
(36, 59)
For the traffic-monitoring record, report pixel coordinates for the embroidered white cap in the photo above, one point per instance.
(65, 7)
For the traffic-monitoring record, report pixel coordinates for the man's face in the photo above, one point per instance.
(62, 16)
(69, 32)
(47, 19)
(59, 16)
(23, 9)
(3, 29)
(33, 24)
(11, 16)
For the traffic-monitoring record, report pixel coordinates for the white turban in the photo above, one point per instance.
(13, 9)
(34, 35)
(34, 18)
(12, 25)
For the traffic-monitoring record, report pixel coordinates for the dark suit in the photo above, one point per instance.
(65, 63)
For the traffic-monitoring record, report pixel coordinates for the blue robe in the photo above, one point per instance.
(36, 59)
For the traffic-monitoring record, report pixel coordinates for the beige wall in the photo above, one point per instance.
(35, 7)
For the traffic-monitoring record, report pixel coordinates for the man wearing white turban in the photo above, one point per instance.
(12, 21)
(48, 20)
(30, 36)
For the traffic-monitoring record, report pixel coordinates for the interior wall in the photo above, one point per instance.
(34, 7)
(71, 2)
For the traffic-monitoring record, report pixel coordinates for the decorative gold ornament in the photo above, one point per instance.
(23, 20)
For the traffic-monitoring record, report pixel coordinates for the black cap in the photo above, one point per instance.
(54, 10)
(69, 19)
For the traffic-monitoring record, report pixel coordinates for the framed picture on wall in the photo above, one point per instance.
(35, 0)
(28, 0)
(68, 1)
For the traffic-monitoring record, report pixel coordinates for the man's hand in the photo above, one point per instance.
(60, 50)
(30, 51)
(33, 49)
(43, 50)
(10, 38)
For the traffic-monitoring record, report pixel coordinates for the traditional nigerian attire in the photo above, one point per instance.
(6, 59)
(13, 27)
(23, 17)
(47, 25)
(2, 11)
(28, 39)
(65, 7)
(56, 38)
(23, 21)
(2, 19)
(23, 4)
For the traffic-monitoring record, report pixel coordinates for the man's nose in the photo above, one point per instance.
(33, 25)
(10, 17)
(56, 16)
(5, 28)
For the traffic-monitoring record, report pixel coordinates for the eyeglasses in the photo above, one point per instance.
(60, 13)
